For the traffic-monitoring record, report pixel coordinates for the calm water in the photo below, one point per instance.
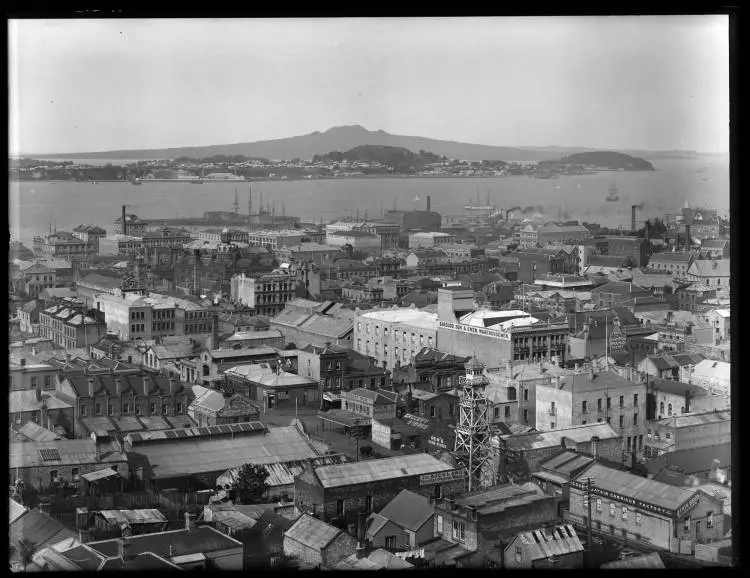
(675, 181)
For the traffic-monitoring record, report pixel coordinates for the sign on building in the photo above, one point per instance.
(441, 477)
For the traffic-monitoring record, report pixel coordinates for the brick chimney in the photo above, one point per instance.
(595, 447)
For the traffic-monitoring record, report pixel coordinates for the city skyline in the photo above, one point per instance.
(625, 83)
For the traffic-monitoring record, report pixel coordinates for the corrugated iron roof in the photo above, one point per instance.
(379, 469)
(549, 542)
(142, 516)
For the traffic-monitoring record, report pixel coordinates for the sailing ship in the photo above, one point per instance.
(613, 194)
(416, 198)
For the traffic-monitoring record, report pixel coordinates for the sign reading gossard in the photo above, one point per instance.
(477, 330)
(441, 477)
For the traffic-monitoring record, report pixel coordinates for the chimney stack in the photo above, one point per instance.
(428, 202)
(91, 386)
(634, 218)
(595, 447)
(67, 358)
(124, 222)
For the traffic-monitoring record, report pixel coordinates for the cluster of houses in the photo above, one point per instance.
(141, 383)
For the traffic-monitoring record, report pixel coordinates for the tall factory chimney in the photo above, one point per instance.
(634, 220)
(428, 203)
(124, 221)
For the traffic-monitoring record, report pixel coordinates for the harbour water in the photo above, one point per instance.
(701, 182)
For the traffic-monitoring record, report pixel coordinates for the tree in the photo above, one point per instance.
(25, 551)
(249, 485)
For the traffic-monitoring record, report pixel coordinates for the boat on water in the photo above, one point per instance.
(416, 198)
(613, 194)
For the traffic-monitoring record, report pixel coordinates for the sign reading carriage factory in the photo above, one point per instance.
(441, 477)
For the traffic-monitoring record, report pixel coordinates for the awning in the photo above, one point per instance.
(332, 397)
(104, 474)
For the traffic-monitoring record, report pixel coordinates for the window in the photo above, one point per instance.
(630, 439)
(33, 382)
(84, 411)
(661, 407)
(584, 407)
(138, 409)
(178, 408)
(47, 381)
(390, 542)
(609, 403)
(669, 409)
(622, 421)
(526, 395)
(709, 519)
(440, 524)
(368, 504)
(507, 411)
(635, 399)
(519, 553)
(622, 401)
(432, 411)
(339, 507)
(98, 409)
(599, 404)
(637, 517)
(552, 425)
(526, 415)
(598, 504)
(452, 409)
(164, 409)
(648, 434)
(74, 474)
(110, 409)
(153, 407)
(53, 475)
(635, 419)
(624, 513)
(497, 411)
(668, 435)
(686, 526)
(612, 510)
(459, 531)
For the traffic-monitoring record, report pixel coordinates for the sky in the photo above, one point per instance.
(642, 82)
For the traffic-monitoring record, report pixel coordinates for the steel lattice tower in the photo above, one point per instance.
(472, 447)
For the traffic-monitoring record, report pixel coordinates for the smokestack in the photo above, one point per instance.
(428, 202)
(634, 218)
(124, 221)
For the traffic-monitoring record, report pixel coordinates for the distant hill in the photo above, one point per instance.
(607, 159)
(342, 138)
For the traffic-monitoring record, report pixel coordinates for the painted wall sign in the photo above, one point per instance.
(441, 477)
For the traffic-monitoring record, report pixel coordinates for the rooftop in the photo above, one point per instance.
(313, 533)
(408, 510)
(549, 542)
(677, 421)
(582, 382)
(404, 315)
(637, 487)
(578, 434)
(59, 453)
(380, 469)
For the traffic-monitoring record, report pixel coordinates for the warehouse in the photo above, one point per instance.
(645, 511)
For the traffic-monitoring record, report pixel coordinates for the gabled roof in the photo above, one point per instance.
(39, 528)
(578, 434)
(141, 384)
(379, 469)
(694, 460)
(620, 288)
(313, 533)
(408, 510)
(706, 268)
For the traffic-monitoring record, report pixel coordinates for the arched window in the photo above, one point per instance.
(206, 370)
(661, 407)
(669, 409)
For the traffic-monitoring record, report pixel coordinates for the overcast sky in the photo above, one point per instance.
(656, 83)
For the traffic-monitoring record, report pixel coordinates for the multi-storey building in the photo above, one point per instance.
(136, 316)
(528, 236)
(622, 246)
(693, 297)
(394, 336)
(687, 431)
(133, 226)
(23, 375)
(118, 244)
(266, 294)
(276, 239)
(70, 326)
(37, 278)
(710, 273)
(308, 252)
(166, 237)
(117, 396)
(674, 263)
(641, 511)
(387, 232)
(64, 245)
(557, 234)
(362, 241)
(495, 337)
(89, 233)
(430, 239)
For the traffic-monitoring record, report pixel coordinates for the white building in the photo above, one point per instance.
(394, 336)
(430, 239)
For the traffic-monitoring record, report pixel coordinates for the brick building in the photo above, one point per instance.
(70, 326)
